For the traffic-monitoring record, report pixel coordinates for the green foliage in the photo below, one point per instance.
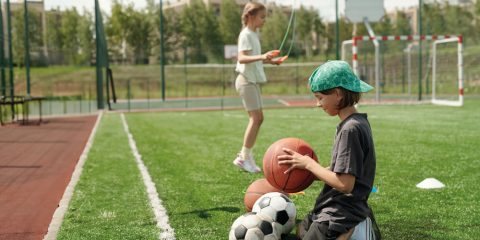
(274, 29)
(201, 30)
(54, 37)
(18, 34)
(402, 25)
(85, 39)
(307, 22)
(192, 19)
(230, 24)
(116, 31)
(138, 35)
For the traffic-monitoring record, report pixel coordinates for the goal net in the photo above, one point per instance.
(401, 77)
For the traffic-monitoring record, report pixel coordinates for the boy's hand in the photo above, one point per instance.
(295, 159)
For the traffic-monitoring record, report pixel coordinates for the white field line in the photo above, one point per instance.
(59, 213)
(166, 231)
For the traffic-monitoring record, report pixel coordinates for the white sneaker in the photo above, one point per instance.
(254, 166)
(246, 164)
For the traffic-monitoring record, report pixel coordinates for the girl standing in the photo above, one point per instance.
(250, 68)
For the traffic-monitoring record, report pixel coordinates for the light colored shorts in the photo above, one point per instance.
(249, 92)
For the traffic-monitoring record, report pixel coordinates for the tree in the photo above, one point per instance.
(307, 20)
(402, 25)
(85, 39)
(274, 29)
(476, 25)
(54, 35)
(434, 19)
(18, 34)
(193, 27)
(138, 35)
(230, 23)
(69, 30)
(212, 38)
(458, 20)
(116, 31)
(320, 30)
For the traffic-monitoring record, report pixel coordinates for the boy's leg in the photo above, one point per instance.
(303, 226)
(310, 230)
(319, 231)
(365, 230)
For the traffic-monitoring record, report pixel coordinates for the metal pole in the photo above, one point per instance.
(337, 34)
(100, 104)
(377, 59)
(2, 54)
(162, 52)
(420, 3)
(10, 58)
(27, 46)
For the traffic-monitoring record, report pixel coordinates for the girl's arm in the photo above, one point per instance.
(245, 57)
(342, 182)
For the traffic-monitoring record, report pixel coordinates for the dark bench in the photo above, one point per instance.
(12, 103)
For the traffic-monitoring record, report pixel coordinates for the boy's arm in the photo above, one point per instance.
(342, 182)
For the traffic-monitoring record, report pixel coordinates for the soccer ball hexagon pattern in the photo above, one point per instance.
(278, 207)
(252, 226)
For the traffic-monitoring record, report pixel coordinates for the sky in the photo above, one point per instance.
(326, 7)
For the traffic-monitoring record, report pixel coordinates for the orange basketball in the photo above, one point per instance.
(256, 190)
(297, 179)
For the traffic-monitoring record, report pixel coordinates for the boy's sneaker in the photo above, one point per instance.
(246, 164)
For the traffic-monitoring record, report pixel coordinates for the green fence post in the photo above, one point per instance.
(162, 52)
(148, 93)
(10, 58)
(99, 59)
(2, 55)
(420, 50)
(185, 75)
(27, 47)
(128, 94)
(90, 97)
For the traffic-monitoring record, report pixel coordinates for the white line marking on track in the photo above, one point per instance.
(283, 102)
(166, 231)
(59, 213)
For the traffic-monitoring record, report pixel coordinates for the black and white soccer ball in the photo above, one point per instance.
(252, 226)
(278, 207)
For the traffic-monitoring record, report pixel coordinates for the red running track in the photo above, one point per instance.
(36, 164)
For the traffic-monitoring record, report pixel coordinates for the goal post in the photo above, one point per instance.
(442, 90)
(398, 66)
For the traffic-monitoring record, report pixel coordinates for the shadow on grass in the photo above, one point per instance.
(204, 213)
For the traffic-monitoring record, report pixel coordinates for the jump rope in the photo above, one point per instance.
(290, 23)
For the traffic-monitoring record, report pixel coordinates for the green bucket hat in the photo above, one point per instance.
(334, 74)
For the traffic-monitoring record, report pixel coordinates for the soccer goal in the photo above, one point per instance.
(399, 77)
(447, 85)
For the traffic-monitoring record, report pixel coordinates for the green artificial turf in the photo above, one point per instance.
(189, 156)
(110, 200)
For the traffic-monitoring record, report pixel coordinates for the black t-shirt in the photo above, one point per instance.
(353, 153)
